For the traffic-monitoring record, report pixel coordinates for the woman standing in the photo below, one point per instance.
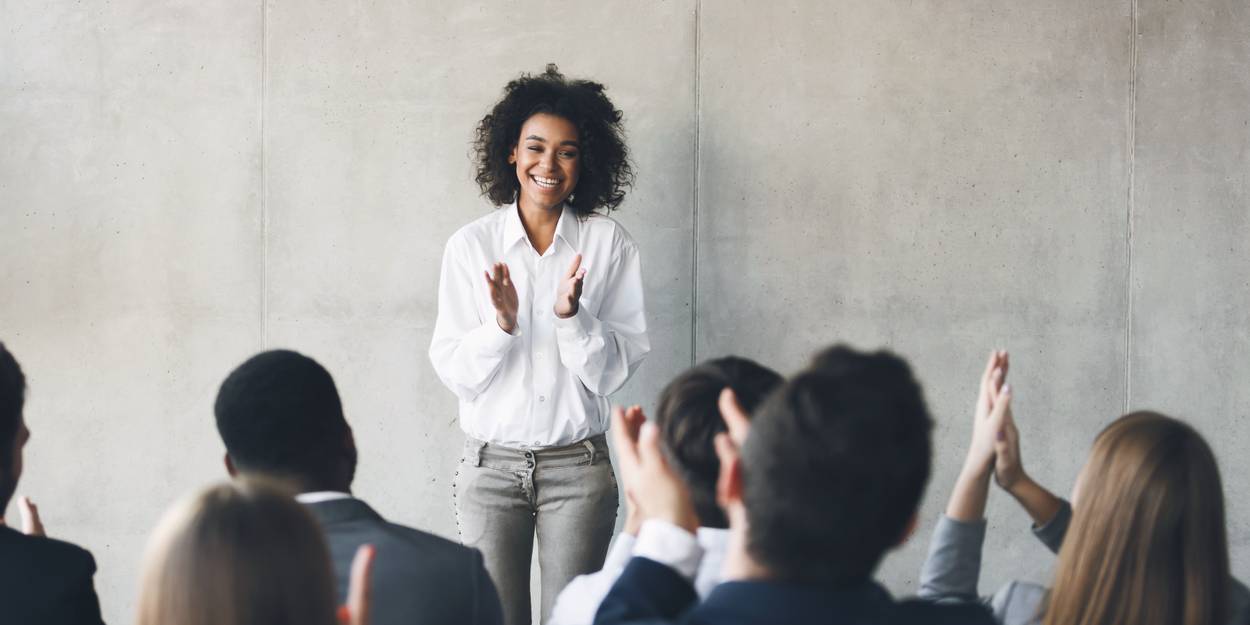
(540, 318)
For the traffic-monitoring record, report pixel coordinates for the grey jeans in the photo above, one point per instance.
(567, 494)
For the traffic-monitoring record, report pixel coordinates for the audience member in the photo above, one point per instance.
(245, 554)
(279, 414)
(1147, 544)
(41, 580)
(828, 480)
(688, 417)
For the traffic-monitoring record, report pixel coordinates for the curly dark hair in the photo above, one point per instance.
(605, 169)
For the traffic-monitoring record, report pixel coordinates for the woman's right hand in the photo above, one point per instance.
(503, 297)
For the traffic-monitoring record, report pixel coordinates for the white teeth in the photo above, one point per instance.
(546, 182)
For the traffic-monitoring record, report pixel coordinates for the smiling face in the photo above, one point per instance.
(548, 160)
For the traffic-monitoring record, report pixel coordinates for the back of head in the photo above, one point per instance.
(237, 554)
(279, 413)
(689, 419)
(834, 468)
(1147, 541)
(12, 398)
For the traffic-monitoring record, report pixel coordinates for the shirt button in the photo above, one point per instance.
(540, 312)
(560, 326)
(536, 443)
(538, 355)
(541, 398)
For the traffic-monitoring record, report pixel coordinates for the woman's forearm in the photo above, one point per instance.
(972, 488)
(1040, 503)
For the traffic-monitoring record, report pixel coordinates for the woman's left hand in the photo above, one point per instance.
(570, 290)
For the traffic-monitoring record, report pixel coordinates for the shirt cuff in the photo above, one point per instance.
(1051, 534)
(622, 551)
(575, 327)
(498, 340)
(669, 545)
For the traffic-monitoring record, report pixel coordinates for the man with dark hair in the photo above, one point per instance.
(688, 417)
(828, 480)
(279, 414)
(41, 580)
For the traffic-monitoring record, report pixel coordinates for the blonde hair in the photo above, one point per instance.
(1147, 542)
(237, 554)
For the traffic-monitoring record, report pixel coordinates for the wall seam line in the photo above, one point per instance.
(1132, 207)
(264, 177)
(694, 254)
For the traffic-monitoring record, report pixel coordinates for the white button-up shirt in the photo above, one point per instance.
(547, 383)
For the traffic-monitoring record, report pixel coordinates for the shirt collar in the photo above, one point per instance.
(513, 230)
(320, 496)
(566, 228)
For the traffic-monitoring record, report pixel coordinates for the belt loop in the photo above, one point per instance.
(591, 448)
(477, 452)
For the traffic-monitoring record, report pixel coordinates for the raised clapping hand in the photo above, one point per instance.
(995, 450)
(986, 422)
(570, 289)
(503, 296)
(31, 525)
(359, 589)
(967, 502)
(649, 482)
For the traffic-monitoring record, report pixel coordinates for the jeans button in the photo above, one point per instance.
(529, 464)
(529, 455)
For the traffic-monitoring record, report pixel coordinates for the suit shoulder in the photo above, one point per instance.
(18, 545)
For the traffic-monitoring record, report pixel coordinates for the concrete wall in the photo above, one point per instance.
(182, 185)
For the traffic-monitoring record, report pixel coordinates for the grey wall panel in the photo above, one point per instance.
(370, 112)
(938, 178)
(1191, 260)
(130, 263)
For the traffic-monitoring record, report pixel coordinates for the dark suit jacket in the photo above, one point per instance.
(45, 581)
(649, 593)
(418, 578)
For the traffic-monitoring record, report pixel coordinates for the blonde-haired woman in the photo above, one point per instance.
(1143, 542)
(245, 553)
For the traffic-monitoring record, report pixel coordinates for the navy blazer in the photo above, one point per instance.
(418, 578)
(46, 581)
(649, 593)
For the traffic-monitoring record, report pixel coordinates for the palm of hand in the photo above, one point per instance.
(570, 289)
(985, 425)
(503, 296)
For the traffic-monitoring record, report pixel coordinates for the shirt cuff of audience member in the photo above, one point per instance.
(669, 545)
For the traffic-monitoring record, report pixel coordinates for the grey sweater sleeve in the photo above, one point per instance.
(953, 567)
(1051, 534)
